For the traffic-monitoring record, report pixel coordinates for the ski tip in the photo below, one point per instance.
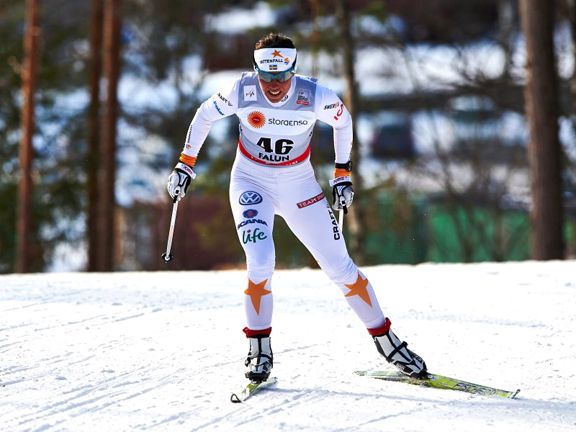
(251, 388)
(513, 395)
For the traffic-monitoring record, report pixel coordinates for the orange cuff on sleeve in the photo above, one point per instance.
(340, 172)
(188, 160)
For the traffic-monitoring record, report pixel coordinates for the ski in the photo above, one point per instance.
(440, 382)
(251, 389)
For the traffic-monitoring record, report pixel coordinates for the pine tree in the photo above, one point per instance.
(24, 214)
(544, 151)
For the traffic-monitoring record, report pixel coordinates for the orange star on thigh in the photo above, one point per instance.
(359, 288)
(256, 291)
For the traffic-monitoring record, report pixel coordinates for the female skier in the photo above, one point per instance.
(272, 175)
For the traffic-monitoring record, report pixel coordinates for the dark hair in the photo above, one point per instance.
(274, 40)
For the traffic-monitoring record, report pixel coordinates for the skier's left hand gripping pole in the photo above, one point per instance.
(167, 256)
(341, 213)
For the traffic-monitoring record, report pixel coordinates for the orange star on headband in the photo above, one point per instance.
(276, 53)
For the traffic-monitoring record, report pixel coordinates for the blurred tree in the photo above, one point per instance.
(544, 151)
(168, 50)
(171, 46)
(357, 213)
(58, 138)
(567, 8)
(94, 70)
(25, 222)
(108, 154)
(443, 22)
(476, 159)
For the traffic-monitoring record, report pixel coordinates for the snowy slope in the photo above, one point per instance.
(162, 351)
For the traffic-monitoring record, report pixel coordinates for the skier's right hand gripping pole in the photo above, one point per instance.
(181, 177)
(178, 183)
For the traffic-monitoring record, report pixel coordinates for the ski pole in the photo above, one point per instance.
(167, 255)
(343, 211)
(341, 220)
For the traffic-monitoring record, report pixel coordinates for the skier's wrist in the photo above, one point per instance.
(343, 169)
(187, 160)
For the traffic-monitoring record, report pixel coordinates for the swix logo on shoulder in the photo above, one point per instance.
(250, 93)
(223, 99)
(250, 198)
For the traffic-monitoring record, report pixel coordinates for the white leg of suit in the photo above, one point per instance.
(257, 193)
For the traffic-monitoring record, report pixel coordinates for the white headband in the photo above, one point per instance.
(274, 59)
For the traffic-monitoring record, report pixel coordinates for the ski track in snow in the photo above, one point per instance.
(162, 351)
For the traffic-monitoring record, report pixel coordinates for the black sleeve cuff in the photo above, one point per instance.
(345, 166)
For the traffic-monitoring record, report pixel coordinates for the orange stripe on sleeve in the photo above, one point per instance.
(341, 172)
(188, 160)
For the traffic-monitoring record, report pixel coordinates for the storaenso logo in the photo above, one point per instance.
(282, 122)
(249, 198)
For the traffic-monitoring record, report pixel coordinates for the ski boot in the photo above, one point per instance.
(260, 358)
(396, 352)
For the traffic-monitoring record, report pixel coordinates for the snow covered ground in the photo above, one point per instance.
(163, 351)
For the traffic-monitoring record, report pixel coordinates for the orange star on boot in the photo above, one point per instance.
(359, 288)
(256, 291)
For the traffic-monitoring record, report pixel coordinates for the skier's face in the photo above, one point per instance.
(275, 90)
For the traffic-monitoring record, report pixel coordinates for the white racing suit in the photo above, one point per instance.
(272, 175)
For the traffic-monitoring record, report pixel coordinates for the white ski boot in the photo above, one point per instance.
(260, 359)
(396, 353)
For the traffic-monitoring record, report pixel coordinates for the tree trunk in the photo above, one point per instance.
(571, 13)
(505, 35)
(313, 41)
(24, 210)
(93, 159)
(356, 216)
(544, 152)
(108, 149)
